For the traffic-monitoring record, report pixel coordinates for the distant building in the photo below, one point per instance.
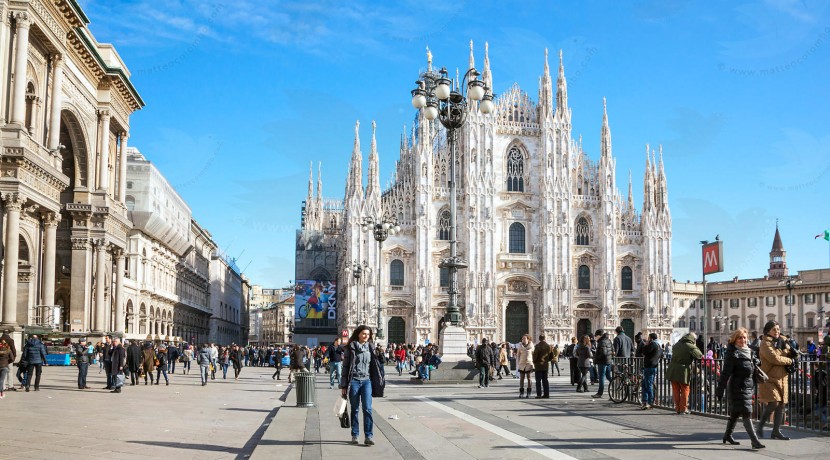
(265, 305)
(750, 303)
(316, 287)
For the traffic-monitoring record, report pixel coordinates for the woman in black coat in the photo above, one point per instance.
(736, 376)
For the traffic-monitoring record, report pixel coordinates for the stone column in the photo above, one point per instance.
(100, 286)
(103, 171)
(13, 203)
(119, 291)
(50, 224)
(21, 58)
(122, 173)
(57, 99)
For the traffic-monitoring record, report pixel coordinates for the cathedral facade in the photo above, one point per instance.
(553, 246)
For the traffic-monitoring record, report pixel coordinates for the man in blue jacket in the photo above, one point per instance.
(34, 353)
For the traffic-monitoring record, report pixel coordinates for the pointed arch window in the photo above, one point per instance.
(515, 170)
(584, 277)
(517, 238)
(396, 273)
(583, 232)
(444, 225)
(626, 279)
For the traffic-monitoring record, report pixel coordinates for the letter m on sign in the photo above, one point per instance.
(713, 257)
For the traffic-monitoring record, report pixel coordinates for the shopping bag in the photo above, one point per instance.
(119, 380)
(339, 406)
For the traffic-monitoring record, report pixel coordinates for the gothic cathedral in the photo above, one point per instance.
(552, 244)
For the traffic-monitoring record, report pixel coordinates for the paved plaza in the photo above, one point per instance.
(247, 419)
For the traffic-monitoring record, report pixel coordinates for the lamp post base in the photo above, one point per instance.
(456, 366)
(453, 344)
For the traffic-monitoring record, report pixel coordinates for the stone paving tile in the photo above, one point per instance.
(571, 423)
(180, 421)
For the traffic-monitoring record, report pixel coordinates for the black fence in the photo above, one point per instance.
(808, 391)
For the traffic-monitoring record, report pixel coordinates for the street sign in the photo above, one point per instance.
(345, 333)
(713, 258)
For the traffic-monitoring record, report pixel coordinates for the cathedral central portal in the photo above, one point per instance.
(517, 321)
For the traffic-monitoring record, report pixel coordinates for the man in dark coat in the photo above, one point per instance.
(135, 359)
(82, 360)
(105, 357)
(34, 353)
(651, 353)
(602, 360)
(484, 358)
(172, 356)
(542, 355)
(623, 346)
(118, 361)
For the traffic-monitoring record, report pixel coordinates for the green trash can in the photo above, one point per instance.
(306, 394)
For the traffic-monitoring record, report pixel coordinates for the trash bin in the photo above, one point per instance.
(306, 394)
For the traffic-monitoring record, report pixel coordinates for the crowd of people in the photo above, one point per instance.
(131, 361)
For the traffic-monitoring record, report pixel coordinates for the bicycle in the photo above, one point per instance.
(626, 383)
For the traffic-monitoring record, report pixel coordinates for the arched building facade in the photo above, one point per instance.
(65, 124)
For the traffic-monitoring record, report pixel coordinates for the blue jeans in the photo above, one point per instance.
(224, 370)
(361, 390)
(83, 368)
(484, 376)
(171, 366)
(648, 384)
(603, 370)
(334, 375)
(423, 371)
(159, 371)
(203, 373)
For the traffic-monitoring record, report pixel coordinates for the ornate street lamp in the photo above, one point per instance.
(790, 282)
(356, 269)
(380, 229)
(450, 101)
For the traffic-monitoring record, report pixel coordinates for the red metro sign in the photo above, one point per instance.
(713, 258)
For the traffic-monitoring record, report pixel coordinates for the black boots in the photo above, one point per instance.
(521, 392)
(778, 408)
(730, 427)
(727, 437)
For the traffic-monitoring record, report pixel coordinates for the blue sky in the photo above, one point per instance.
(242, 95)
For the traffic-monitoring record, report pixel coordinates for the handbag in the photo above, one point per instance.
(758, 375)
(345, 418)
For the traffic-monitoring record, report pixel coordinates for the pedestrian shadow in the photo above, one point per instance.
(242, 409)
(188, 446)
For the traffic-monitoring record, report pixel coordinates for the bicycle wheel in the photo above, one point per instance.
(636, 387)
(618, 389)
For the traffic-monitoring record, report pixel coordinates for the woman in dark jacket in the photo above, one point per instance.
(736, 377)
(584, 360)
(361, 380)
(135, 360)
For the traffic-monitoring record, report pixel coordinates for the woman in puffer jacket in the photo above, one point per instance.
(775, 357)
(524, 364)
(736, 379)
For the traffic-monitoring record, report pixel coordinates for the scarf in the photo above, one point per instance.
(743, 352)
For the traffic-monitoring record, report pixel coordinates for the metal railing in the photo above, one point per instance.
(807, 403)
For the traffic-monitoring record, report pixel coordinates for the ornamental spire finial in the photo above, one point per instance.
(429, 60)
